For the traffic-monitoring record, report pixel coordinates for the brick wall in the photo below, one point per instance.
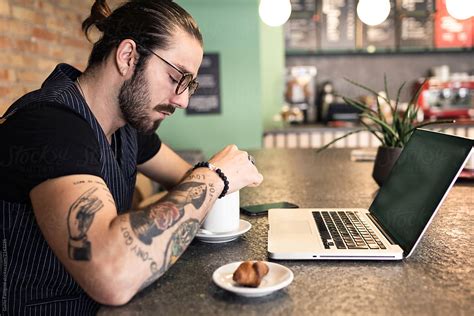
(35, 35)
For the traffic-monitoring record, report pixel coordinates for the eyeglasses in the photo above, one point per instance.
(186, 81)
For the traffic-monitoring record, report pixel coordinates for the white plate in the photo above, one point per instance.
(277, 278)
(244, 227)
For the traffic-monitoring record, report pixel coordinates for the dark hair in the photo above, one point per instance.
(150, 23)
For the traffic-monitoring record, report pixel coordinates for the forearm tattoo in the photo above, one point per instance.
(142, 254)
(178, 243)
(180, 240)
(80, 217)
(154, 220)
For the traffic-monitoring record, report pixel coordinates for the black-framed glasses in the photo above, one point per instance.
(186, 81)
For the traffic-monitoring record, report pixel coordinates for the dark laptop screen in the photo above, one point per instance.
(417, 183)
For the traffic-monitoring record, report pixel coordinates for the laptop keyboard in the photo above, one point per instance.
(346, 230)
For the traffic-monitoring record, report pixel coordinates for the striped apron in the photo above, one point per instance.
(34, 280)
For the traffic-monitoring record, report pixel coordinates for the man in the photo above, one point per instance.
(68, 163)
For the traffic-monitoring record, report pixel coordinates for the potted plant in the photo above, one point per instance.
(393, 127)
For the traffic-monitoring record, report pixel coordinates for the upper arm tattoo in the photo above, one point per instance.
(80, 217)
(157, 218)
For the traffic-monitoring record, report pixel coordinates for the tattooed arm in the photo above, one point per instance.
(112, 257)
(157, 168)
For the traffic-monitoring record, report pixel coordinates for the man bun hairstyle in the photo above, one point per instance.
(99, 12)
(150, 23)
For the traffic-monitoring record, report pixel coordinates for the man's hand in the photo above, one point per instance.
(237, 167)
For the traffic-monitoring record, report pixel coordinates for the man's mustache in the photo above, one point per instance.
(165, 108)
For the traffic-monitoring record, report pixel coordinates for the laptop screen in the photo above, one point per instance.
(417, 184)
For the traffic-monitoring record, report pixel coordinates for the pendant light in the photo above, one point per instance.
(373, 12)
(274, 12)
(460, 9)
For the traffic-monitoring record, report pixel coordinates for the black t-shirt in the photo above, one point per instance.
(49, 141)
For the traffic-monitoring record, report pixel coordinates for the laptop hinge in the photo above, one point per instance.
(381, 229)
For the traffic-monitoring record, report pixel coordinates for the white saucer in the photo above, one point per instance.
(277, 278)
(244, 227)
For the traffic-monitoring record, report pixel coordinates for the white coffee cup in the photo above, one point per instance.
(224, 216)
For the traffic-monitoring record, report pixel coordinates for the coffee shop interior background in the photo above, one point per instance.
(253, 59)
(418, 38)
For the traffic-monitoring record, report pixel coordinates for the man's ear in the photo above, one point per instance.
(125, 57)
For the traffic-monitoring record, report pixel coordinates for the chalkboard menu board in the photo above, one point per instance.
(301, 28)
(381, 36)
(421, 7)
(450, 32)
(206, 99)
(301, 34)
(415, 32)
(303, 5)
(338, 24)
(332, 26)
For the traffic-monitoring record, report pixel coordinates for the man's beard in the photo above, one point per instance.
(134, 100)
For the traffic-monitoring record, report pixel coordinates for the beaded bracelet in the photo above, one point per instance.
(210, 166)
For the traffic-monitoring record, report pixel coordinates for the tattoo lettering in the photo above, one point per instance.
(145, 256)
(127, 236)
(196, 177)
(212, 190)
(80, 217)
(139, 252)
(156, 219)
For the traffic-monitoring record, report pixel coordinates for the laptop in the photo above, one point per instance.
(397, 218)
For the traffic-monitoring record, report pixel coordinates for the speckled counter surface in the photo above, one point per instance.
(437, 280)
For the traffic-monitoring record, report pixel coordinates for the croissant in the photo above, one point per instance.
(250, 273)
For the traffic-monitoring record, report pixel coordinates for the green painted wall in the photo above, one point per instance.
(272, 69)
(250, 57)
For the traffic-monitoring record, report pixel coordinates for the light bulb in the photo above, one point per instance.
(373, 12)
(274, 12)
(460, 9)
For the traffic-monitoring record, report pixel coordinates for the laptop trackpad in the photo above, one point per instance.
(291, 227)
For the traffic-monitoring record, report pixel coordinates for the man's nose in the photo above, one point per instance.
(180, 100)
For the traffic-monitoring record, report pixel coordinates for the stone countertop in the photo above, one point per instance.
(437, 280)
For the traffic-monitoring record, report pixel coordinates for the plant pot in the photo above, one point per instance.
(384, 161)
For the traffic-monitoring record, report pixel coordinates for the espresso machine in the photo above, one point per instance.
(447, 96)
